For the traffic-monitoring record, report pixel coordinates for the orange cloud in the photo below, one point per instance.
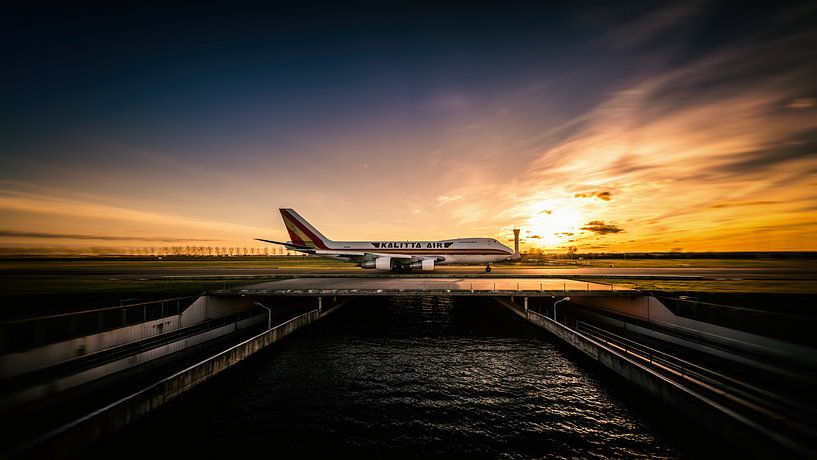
(606, 196)
(802, 103)
(600, 228)
(66, 217)
(70, 236)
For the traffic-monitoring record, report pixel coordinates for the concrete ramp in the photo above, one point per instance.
(418, 286)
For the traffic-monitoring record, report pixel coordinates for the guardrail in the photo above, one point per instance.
(68, 438)
(777, 411)
(437, 288)
(28, 333)
(108, 355)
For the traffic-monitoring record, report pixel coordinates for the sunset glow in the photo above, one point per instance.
(661, 128)
(552, 226)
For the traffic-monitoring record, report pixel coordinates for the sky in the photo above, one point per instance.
(597, 126)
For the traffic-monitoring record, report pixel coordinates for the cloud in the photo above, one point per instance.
(70, 236)
(78, 216)
(768, 154)
(684, 127)
(445, 199)
(651, 26)
(802, 103)
(689, 148)
(745, 203)
(606, 196)
(600, 228)
(535, 236)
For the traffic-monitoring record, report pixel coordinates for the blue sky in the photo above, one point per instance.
(647, 126)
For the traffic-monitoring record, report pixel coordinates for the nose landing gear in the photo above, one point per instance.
(488, 268)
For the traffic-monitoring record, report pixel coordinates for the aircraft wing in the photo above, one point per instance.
(362, 255)
(289, 245)
(329, 252)
(318, 252)
(430, 257)
(407, 259)
(393, 256)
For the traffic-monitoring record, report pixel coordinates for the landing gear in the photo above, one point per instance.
(488, 268)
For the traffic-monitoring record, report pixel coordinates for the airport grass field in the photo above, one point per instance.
(48, 286)
(713, 286)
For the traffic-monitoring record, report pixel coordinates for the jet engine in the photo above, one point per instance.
(381, 263)
(425, 265)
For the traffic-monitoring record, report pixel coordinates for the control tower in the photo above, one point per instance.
(516, 240)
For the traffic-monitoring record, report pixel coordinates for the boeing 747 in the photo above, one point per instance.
(396, 256)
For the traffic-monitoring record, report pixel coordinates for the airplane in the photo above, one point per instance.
(396, 256)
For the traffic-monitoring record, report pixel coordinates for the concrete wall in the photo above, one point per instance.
(650, 309)
(734, 427)
(87, 375)
(13, 364)
(68, 439)
(204, 308)
(219, 307)
(635, 307)
(776, 360)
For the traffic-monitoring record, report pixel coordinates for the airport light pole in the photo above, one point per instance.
(269, 314)
(554, 306)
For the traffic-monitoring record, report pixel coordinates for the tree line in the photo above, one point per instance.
(207, 251)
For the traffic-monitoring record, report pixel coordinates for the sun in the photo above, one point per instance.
(553, 226)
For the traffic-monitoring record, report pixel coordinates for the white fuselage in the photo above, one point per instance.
(453, 251)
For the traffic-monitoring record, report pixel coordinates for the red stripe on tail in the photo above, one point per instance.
(315, 240)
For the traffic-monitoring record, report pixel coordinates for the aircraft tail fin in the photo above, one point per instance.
(301, 232)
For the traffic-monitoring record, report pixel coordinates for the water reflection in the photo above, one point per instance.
(416, 377)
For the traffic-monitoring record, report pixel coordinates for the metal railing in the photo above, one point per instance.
(437, 287)
(98, 358)
(775, 408)
(29, 333)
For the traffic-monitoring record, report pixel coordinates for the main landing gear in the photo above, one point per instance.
(488, 268)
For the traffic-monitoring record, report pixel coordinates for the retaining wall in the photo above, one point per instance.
(737, 429)
(68, 439)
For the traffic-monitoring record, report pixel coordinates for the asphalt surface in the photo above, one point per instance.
(432, 284)
(455, 271)
(153, 272)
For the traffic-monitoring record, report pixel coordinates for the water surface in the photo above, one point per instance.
(414, 377)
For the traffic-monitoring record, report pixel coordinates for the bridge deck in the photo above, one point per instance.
(418, 286)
